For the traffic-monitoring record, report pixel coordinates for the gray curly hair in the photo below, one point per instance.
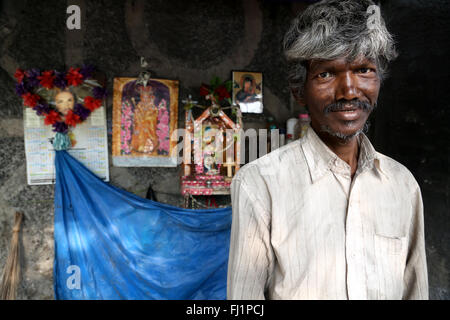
(332, 29)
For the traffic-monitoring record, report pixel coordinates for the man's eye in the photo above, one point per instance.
(324, 75)
(365, 70)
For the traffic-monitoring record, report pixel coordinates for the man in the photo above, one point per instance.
(326, 216)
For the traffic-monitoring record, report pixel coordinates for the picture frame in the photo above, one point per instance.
(248, 91)
(144, 117)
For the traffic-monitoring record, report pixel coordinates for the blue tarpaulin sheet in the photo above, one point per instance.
(111, 244)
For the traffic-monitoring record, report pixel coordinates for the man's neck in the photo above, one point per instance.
(347, 150)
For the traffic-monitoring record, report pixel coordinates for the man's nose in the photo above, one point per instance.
(347, 87)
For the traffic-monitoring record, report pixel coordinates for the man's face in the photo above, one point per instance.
(340, 95)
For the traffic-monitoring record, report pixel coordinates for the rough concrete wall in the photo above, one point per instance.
(192, 41)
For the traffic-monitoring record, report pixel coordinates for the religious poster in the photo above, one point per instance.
(145, 114)
(63, 111)
(89, 146)
(247, 91)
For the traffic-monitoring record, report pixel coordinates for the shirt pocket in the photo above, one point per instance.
(390, 253)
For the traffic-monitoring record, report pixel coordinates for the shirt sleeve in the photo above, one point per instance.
(251, 256)
(415, 275)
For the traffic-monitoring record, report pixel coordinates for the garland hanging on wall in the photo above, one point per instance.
(64, 99)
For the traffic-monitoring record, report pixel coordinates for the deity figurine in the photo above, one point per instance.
(144, 138)
(209, 148)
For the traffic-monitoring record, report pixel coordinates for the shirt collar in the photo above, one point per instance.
(321, 159)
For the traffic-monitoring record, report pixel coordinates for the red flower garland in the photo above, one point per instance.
(91, 103)
(29, 81)
(30, 100)
(72, 119)
(19, 75)
(74, 78)
(47, 79)
(52, 117)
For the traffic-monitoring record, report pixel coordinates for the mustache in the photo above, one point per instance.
(343, 105)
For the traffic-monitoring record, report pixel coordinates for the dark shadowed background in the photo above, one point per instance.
(192, 41)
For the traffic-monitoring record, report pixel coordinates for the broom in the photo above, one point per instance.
(11, 272)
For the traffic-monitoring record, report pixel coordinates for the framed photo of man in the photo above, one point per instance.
(247, 91)
(144, 117)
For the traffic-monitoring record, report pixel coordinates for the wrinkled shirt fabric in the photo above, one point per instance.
(302, 228)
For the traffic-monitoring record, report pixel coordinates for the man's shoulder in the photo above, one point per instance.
(396, 171)
(271, 163)
(261, 178)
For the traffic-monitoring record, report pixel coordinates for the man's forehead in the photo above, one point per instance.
(341, 61)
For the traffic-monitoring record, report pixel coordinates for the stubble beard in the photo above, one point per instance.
(340, 105)
(342, 137)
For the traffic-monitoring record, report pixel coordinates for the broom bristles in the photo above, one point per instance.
(11, 271)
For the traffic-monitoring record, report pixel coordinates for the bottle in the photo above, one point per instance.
(290, 126)
(301, 126)
(282, 137)
(270, 123)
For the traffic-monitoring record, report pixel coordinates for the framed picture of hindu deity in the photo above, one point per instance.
(145, 114)
(247, 91)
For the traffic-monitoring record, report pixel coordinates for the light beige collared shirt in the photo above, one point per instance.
(303, 229)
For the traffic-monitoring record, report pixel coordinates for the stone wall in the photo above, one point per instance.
(192, 41)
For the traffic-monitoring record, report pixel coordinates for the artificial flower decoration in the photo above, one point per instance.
(74, 77)
(46, 79)
(52, 117)
(99, 93)
(31, 76)
(81, 111)
(60, 127)
(64, 99)
(19, 75)
(217, 91)
(60, 80)
(92, 103)
(222, 92)
(21, 89)
(87, 71)
(42, 109)
(204, 90)
(72, 119)
(30, 99)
